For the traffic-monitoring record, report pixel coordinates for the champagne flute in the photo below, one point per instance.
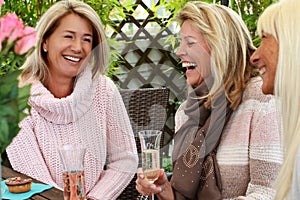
(150, 145)
(72, 158)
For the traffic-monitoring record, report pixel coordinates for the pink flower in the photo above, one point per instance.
(12, 27)
(13, 31)
(27, 41)
(1, 2)
(1, 35)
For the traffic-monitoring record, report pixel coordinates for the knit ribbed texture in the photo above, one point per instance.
(94, 116)
(249, 154)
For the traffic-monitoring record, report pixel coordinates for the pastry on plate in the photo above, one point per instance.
(18, 184)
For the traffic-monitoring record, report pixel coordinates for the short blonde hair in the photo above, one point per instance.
(35, 64)
(230, 44)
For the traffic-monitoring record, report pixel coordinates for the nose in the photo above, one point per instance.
(180, 51)
(255, 57)
(76, 45)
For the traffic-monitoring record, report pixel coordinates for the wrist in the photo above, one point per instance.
(166, 193)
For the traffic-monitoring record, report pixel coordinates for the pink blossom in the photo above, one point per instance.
(12, 27)
(1, 36)
(1, 2)
(27, 41)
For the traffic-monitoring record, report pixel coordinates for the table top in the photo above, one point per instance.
(52, 194)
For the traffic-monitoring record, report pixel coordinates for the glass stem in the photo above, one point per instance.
(151, 197)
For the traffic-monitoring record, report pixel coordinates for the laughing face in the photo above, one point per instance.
(266, 59)
(194, 54)
(68, 46)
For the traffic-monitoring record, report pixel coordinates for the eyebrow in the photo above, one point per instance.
(187, 36)
(73, 32)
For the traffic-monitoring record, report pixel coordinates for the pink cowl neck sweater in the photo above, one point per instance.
(94, 116)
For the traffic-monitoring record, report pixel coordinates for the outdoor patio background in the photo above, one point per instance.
(148, 60)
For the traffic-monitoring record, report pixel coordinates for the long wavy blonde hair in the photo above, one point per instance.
(230, 44)
(281, 20)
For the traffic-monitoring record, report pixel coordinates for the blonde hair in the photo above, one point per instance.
(230, 44)
(281, 20)
(35, 66)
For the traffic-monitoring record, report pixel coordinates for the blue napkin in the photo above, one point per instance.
(35, 188)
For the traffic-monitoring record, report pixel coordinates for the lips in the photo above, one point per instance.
(189, 65)
(262, 70)
(73, 59)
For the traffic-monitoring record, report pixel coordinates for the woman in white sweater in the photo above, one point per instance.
(73, 102)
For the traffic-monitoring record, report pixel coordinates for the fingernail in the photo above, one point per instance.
(152, 186)
(141, 176)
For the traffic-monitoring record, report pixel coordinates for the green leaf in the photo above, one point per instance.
(4, 133)
(13, 102)
(6, 111)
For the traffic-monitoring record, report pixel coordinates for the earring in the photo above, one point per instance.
(45, 50)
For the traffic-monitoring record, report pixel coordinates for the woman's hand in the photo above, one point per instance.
(161, 187)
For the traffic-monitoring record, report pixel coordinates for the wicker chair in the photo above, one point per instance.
(147, 109)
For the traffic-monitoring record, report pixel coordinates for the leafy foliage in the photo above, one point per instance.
(249, 10)
(13, 102)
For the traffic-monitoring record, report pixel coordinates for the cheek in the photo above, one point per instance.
(88, 48)
(203, 63)
(204, 69)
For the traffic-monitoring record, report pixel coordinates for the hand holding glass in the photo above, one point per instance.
(72, 158)
(150, 141)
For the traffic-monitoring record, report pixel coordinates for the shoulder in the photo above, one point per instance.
(255, 100)
(106, 85)
(254, 91)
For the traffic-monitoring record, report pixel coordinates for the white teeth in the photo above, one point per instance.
(72, 58)
(185, 64)
(262, 71)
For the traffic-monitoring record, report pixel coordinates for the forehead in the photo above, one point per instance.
(82, 24)
(188, 29)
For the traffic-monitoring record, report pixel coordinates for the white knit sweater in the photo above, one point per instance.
(94, 115)
(249, 154)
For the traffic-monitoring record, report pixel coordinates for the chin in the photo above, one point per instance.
(268, 91)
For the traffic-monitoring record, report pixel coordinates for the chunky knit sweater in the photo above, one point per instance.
(249, 155)
(94, 116)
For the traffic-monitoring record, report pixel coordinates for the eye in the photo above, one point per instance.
(190, 43)
(87, 39)
(68, 36)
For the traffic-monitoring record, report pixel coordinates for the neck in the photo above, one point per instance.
(60, 88)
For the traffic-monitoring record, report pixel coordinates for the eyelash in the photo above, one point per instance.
(87, 40)
(84, 39)
(190, 44)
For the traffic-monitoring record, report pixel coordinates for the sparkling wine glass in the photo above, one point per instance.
(72, 158)
(150, 140)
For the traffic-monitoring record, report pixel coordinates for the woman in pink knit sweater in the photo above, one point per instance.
(220, 154)
(73, 102)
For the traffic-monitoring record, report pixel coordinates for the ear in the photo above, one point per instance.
(45, 46)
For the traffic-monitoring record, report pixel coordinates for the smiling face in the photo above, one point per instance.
(266, 59)
(194, 54)
(68, 46)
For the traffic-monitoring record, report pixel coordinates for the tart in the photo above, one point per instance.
(18, 184)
